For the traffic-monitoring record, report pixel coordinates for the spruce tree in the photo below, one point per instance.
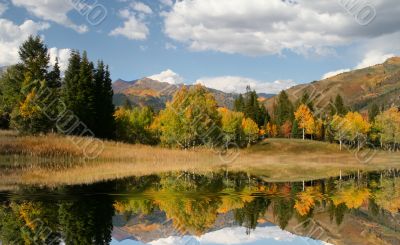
(373, 111)
(239, 104)
(340, 107)
(70, 84)
(31, 114)
(104, 107)
(284, 109)
(86, 99)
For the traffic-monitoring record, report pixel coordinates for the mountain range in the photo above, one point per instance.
(149, 92)
(379, 84)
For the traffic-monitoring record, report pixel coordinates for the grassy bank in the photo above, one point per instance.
(53, 159)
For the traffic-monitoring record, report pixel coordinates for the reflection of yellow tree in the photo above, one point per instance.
(352, 196)
(388, 197)
(306, 200)
(189, 214)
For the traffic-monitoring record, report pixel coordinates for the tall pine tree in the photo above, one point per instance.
(104, 107)
(283, 110)
(32, 115)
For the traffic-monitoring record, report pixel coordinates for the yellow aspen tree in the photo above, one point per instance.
(305, 119)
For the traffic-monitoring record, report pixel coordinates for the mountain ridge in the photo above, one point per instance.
(360, 88)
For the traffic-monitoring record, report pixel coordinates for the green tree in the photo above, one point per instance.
(10, 93)
(283, 110)
(338, 107)
(33, 115)
(373, 111)
(104, 126)
(239, 104)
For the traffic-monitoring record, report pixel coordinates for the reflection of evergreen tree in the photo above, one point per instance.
(248, 215)
(284, 209)
(87, 220)
(337, 212)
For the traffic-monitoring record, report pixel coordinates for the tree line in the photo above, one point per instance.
(36, 99)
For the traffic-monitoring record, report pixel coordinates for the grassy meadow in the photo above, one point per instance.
(53, 159)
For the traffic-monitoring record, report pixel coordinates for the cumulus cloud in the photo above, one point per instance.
(234, 84)
(372, 58)
(3, 7)
(63, 56)
(168, 76)
(167, 2)
(259, 27)
(52, 10)
(13, 35)
(134, 26)
(141, 7)
(238, 235)
(334, 73)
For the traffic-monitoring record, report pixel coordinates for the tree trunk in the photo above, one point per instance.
(304, 133)
(340, 141)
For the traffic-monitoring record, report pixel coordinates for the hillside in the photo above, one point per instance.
(148, 92)
(378, 84)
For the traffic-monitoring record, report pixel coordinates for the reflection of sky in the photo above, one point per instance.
(236, 235)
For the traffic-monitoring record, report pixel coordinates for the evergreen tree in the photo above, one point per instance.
(295, 129)
(306, 100)
(31, 116)
(339, 107)
(373, 111)
(127, 104)
(284, 109)
(86, 99)
(10, 93)
(239, 104)
(71, 83)
(104, 107)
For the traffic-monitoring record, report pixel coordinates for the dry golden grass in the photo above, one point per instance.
(33, 160)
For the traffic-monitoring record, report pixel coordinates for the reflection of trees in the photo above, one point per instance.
(193, 203)
(352, 195)
(78, 220)
(388, 195)
(248, 215)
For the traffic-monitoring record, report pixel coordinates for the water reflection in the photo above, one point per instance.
(218, 208)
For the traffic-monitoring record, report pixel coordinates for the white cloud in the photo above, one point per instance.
(167, 2)
(133, 28)
(260, 27)
(13, 35)
(3, 7)
(334, 73)
(233, 84)
(51, 10)
(63, 56)
(238, 235)
(168, 76)
(372, 58)
(170, 46)
(141, 7)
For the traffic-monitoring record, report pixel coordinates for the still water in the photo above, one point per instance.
(215, 208)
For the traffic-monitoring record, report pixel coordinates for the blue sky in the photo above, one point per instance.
(224, 44)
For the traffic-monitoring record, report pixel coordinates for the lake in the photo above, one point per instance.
(215, 208)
